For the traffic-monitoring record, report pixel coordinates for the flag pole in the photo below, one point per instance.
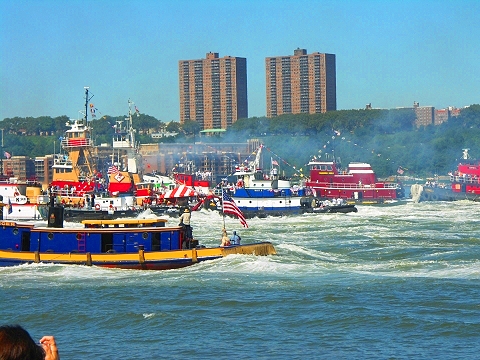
(224, 230)
(229, 207)
(223, 209)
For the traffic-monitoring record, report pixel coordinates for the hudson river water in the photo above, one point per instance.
(398, 282)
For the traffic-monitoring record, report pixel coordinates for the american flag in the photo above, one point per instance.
(229, 207)
(112, 170)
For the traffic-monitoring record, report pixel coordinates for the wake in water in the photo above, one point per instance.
(416, 192)
(438, 240)
(387, 282)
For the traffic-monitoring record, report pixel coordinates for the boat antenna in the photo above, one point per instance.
(87, 99)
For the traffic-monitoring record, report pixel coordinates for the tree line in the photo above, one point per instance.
(387, 139)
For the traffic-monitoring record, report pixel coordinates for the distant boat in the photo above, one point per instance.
(103, 208)
(329, 207)
(356, 184)
(123, 173)
(74, 170)
(258, 194)
(77, 180)
(16, 206)
(464, 183)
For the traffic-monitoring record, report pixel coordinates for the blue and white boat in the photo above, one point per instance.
(259, 195)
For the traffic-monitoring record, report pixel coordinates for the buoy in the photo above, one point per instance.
(97, 207)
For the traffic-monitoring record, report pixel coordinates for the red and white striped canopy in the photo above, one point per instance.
(180, 191)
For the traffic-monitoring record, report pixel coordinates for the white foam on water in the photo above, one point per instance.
(424, 239)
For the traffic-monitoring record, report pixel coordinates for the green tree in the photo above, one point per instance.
(173, 127)
(190, 127)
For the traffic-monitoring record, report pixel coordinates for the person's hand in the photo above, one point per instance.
(50, 347)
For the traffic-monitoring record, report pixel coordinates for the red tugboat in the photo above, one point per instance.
(466, 180)
(464, 183)
(357, 184)
(78, 185)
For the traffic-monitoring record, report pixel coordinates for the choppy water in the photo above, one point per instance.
(397, 282)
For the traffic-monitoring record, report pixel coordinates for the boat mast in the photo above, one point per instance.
(87, 99)
(86, 104)
(131, 131)
(124, 141)
(132, 151)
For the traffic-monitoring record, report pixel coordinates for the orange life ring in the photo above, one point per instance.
(97, 207)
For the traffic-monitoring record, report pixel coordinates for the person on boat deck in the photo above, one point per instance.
(225, 239)
(17, 344)
(185, 222)
(235, 239)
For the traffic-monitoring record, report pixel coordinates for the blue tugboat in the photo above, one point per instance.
(146, 244)
(258, 194)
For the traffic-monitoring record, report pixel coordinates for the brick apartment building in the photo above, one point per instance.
(213, 91)
(302, 83)
(21, 167)
(424, 114)
(428, 115)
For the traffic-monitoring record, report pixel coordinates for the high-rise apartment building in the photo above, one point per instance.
(302, 83)
(213, 91)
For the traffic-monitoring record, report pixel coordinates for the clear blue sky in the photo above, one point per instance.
(388, 53)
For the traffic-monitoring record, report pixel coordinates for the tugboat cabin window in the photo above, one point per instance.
(63, 170)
